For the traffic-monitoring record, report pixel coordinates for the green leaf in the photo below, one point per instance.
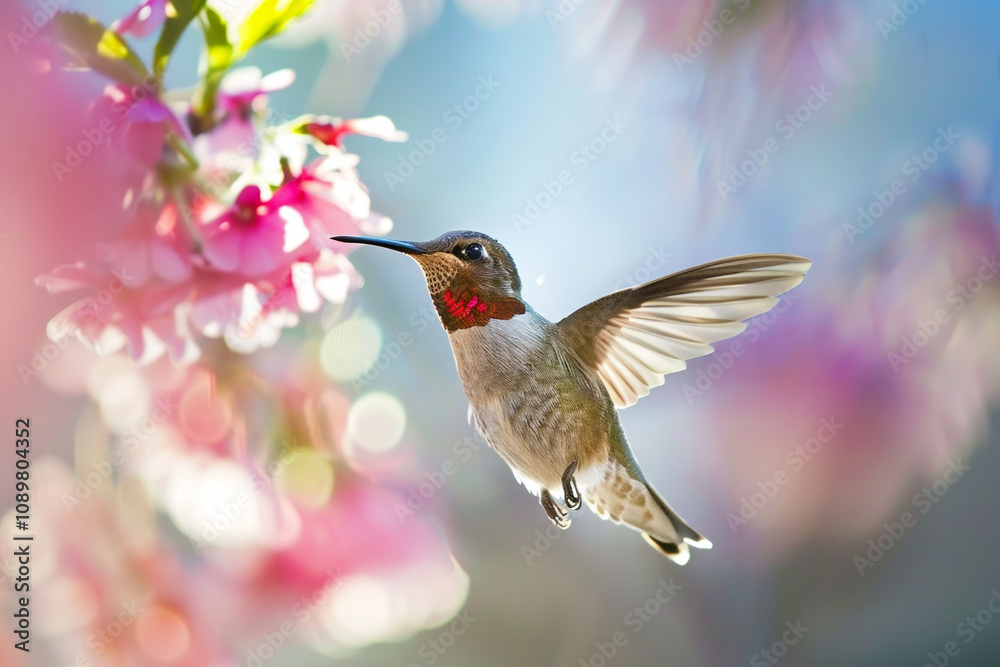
(269, 19)
(215, 62)
(220, 51)
(92, 46)
(173, 28)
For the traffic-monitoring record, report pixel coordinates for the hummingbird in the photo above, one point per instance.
(544, 395)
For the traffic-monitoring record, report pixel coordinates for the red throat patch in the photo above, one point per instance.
(463, 308)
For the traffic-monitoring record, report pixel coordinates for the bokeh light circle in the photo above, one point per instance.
(376, 422)
(350, 349)
(163, 634)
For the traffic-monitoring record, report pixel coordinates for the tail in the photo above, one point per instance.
(621, 498)
(676, 547)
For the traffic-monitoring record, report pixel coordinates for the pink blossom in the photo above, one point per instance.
(152, 248)
(91, 590)
(331, 131)
(239, 261)
(360, 530)
(252, 238)
(137, 282)
(328, 196)
(232, 143)
(138, 120)
(243, 90)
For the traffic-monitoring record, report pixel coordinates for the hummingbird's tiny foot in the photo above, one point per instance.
(571, 493)
(556, 513)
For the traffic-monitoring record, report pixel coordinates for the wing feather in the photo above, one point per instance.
(634, 337)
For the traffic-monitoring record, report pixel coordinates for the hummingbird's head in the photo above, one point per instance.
(471, 277)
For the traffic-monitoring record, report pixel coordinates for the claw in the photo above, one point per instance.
(556, 513)
(571, 493)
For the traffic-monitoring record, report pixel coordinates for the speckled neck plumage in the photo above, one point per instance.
(461, 303)
(461, 307)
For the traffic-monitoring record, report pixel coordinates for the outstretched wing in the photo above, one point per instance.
(635, 336)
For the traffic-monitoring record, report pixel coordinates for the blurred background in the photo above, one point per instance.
(291, 480)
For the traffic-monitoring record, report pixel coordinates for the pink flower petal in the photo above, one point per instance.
(143, 20)
(169, 264)
(262, 250)
(222, 248)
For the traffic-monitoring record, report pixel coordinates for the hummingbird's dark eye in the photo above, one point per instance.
(474, 251)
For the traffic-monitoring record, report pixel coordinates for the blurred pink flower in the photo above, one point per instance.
(357, 531)
(138, 121)
(243, 91)
(669, 25)
(129, 605)
(232, 143)
(772, 61)
(330, 197)
(252, 238)
(853, 399)
(143, 20)
(221, 236)
(331, 131)
(253, 267)
(137, 283)
(738, 68)
(151, 248)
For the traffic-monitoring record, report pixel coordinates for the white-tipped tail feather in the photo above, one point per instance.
(613, 494)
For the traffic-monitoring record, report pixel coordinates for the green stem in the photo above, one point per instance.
(189, 224)
(183, 149)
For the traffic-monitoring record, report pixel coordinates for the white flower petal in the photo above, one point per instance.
(241, 80)
(380, 127)
(277, 80)
(296, 232)
(305, 288)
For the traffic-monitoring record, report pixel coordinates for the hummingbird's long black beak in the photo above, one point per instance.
(401, 246)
